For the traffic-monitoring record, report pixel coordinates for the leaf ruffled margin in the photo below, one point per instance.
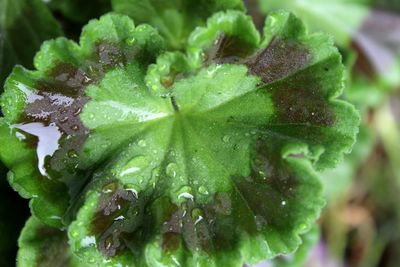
(307, 66)
(175, 19)
(44, 246)
(314, 129)
(51, 98)
(270, 88)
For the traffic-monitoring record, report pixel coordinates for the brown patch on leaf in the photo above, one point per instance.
(278, 60)
(228, 49)
(118, 220)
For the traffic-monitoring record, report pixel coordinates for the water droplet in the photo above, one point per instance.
(186, 195)
(119, 218)
(109, 188)
(88, 241)
(302, 226)
(131, 188)
(74, 234)
(283, 203)
(130, 41)
(226, 138)
(134, 165)
(172, 170)
(75, 127)
(64, 120)
(203, 190)
(197, 215)
(77, 111)
(72, 154)
(142, 143)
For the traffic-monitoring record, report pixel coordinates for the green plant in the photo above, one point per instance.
(135, 150)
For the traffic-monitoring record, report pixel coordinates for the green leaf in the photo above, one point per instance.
(175, 19)
(24, 25)
(341, 18)
(42, 108)
(81, 11)
(213, 167)
(44, 246)
(355, 25)
(298, 258)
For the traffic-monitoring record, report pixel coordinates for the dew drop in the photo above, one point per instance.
(197, 215)
(75, 127)
(72, 153)
(130, 41)
(134, 165)
(203, 190)
(77, 111)
(120, 218)
(142, 143)
(74, 234)
(226, 138)
(172, 170)
(186, 195)
(109, 188)
(302, 226)
(64, 120)
(283, 203)
(88, 241)
(132, 190)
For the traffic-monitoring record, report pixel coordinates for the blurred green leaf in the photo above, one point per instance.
(24, 25)
(81, 10)
(341, 18)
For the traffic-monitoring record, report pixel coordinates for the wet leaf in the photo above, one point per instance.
(44, 246)
(174, 19)
(206, 158)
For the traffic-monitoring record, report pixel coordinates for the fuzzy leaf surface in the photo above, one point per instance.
(44, 246)
(213, 165)
(174, 19)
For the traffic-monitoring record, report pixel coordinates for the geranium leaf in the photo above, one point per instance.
(355, 24)
(337, 17)
(42, 107)
(215, 167)
(44, 246)
(174, 19)
(24, 25)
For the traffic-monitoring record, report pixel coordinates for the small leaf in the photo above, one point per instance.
(44, 246)
(174, 19)
(24, 25)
